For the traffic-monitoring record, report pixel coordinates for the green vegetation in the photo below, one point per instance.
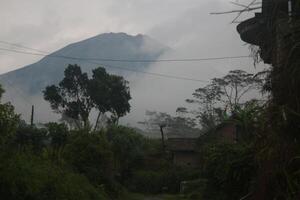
(75, 96)
(63, 161)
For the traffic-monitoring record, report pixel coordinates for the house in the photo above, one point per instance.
(184, 151)
(275, 30)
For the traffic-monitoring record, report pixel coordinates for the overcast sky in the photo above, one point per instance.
(184, 25)
(50, 25)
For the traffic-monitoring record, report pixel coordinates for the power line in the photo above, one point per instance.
(22, 46)
(110, 66)
(155, 74)
(45, 53)
(91, 60)
(125, 60)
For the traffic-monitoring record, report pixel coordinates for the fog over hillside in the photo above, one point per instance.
(191, 33)
(25, 85)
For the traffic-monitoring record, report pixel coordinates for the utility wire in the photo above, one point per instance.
(22, 46)
(91, 60)
(125, 60)
(110, 66)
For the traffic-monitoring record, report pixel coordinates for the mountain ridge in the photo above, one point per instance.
(31, 79)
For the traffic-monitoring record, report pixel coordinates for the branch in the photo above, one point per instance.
(243, 5)
(246, 9)
(235, 11)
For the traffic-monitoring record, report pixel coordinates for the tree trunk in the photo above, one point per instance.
(98, 117)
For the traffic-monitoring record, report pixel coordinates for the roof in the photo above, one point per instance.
(182, 144)
(249, 29)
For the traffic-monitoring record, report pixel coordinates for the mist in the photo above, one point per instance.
(188, 30)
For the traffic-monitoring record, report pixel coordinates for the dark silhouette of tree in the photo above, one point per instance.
(71, 96)
(112, 94)
(8, 120)
(1, 91)
(223, 96)
(235, 85)
(76, 95)
(119, 97)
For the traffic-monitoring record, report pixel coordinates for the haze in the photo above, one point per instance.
(184, 25)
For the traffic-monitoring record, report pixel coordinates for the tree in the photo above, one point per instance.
(128, 147)
(76, 95)
(223, 96)
(8, 120)
(120, 97)
(1, 91)
(90, 155)
(173, 124)
(235, 85)
(208, 112)
(71, 96)
(112, 94)
(58, 134)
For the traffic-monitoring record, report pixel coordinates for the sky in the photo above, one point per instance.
(50, 25)
(186, 26)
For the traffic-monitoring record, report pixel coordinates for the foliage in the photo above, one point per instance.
(89, 154)
(229, 170)
(174, 124)
(24, 176)
(58, 134)
(119, 97)
(1, 91)
(160, 180)
(112, 93)
(71, 97)
(128, 148)
(223, 96)
(8, 122)
(248, 118)
(57, 138)
(76, 95)
(30, 138)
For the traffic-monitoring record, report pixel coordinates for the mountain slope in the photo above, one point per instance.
(32, 79)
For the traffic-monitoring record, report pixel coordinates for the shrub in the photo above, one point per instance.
(28, 177)
(90, 154)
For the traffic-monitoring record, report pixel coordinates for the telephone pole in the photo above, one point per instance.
(32, 116)
(162, 136)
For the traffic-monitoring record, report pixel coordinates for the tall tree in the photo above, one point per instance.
(8, 120)
(1, 91)
(235, 85)
(76, 95)
(119, 97)
(223, 96)
(112, 94)
(71, 96)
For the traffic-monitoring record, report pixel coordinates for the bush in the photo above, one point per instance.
(28, 177)
(8, 122)
(128, 148)
(163, 180)
(30, 138)
(90, 154)
(229, 169)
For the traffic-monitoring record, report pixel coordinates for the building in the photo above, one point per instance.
(275, 30)
(184, 152)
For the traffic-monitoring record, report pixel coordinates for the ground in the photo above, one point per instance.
(156, 197)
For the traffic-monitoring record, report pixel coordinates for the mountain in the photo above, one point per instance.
(32, 79)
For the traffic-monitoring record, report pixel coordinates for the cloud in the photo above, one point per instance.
(184, 25)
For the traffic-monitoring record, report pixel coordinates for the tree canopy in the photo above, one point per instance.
(223, 96)
(77, 94)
